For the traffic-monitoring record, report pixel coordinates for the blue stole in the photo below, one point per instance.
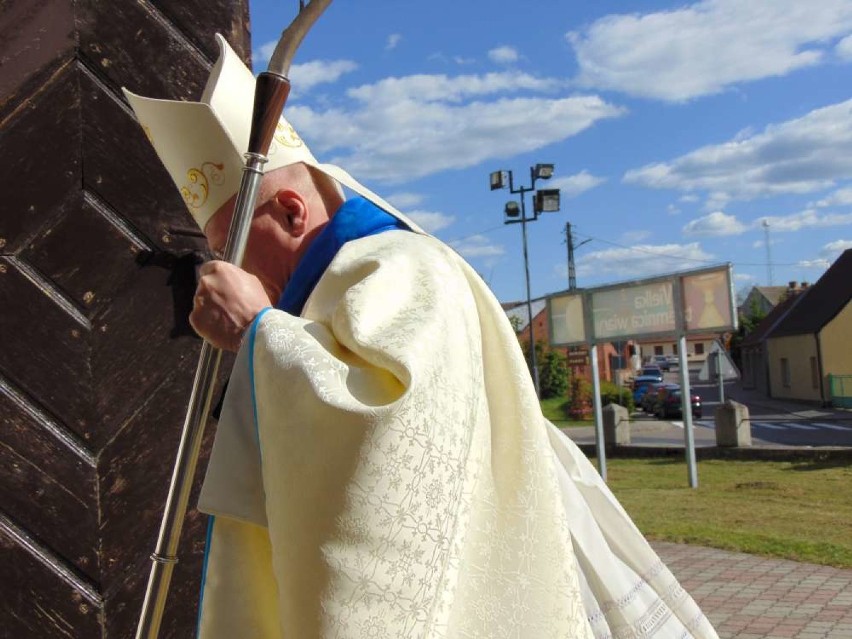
(357, 218)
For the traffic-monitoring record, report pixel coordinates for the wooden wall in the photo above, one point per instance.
(96, 358)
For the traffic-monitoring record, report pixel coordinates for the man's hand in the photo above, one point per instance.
(226, 301)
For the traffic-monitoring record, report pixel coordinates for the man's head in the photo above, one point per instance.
(294, 203)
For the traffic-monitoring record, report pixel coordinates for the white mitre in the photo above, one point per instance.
(201, 144)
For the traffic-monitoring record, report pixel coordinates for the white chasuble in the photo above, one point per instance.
(382, 469)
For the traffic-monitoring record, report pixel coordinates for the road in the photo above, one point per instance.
(772, 423)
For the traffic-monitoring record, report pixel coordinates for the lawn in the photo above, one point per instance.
(794, 510)
(554, 410)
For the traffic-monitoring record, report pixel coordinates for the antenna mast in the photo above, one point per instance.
(768, 252)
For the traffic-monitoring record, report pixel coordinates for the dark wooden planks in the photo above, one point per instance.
(45, 603)
(94, 277)
(37, 37)
(46, 479)
(41, 159)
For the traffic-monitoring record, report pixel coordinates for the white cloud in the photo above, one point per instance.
(632, 237)
(477, 246)
(431, 221)
(309, 74)
(671, 209)
(410, 127)
(804, 219)
(841, 197)
(836, 248)
(819, 262)
(717, 224)
(443, 88)
(828, 253)
(844, 48)
(404, 200)
(707, 46)
(260, 56)
(688, 198)
(796, 156)
(744, 277)
(642, 260)
(393, 40)
(503, 55)
(573, 185)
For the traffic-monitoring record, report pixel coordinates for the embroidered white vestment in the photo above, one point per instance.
(382, 469)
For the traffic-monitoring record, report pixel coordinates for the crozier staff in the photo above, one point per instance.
(381, 466)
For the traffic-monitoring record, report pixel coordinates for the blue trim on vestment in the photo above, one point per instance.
(207, 542)
(252, 337)
(356, 218)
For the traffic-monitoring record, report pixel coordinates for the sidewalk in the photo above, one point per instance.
(770, 408)
(750, 597)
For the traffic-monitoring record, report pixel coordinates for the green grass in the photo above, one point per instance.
(554, 410)
(794, 510)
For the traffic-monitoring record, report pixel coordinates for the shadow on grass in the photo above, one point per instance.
(825, 464)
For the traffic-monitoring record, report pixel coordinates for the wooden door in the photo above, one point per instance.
(96, 272)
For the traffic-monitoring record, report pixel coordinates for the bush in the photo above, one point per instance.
(580, 404)
(621, 395)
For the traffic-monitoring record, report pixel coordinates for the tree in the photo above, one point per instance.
(553, 374)
(748, 321)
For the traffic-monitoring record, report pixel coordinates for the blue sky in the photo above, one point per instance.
(676, 130)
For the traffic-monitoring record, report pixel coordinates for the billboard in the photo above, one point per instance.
(697, 301)
(636, 310)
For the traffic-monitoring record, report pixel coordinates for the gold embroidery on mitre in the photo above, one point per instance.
(195, 193)
(286, 135)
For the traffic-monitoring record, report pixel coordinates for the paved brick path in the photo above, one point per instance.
(750, 597)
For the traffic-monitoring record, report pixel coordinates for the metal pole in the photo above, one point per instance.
(686, 412)
(721, 378)
(533, 359)
(599, 434)
(572, 271)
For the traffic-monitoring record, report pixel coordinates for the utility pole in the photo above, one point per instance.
(572, 270)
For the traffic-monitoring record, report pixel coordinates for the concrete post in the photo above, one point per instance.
(616, 423)
(733, 427)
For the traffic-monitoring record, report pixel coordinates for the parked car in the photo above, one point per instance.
(652, 371)
(668, 404)
(660, 361)
(641, 385)
(673, 360)
(649, 399)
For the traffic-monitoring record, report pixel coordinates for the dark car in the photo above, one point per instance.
(649, 399)
(668, 404)
(652, 371)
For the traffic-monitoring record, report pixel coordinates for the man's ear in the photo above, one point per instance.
(291, 211)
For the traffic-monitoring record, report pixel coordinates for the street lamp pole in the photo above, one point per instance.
(545, 201)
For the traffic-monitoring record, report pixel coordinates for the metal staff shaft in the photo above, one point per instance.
(164, 557)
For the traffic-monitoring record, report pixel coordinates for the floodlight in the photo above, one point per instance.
(512, 209)
(546, 201)
(497, 180)
(543, 171)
